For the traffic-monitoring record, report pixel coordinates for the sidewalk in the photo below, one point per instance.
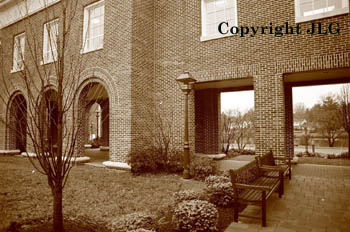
(316, 199)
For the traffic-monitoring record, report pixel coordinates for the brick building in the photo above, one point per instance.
(147, 44)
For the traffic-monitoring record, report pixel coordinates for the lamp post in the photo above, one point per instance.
(184, 81)
(98, 111)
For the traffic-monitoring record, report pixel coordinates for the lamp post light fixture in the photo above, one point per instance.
(184, 81)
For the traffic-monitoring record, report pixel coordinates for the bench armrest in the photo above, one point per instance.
(255, 187)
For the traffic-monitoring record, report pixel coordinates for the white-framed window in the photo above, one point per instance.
(215, 12)
(19, 42)
(307, 10)
(93, 30)
(50, 41)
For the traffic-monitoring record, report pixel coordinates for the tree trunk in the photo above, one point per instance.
(57, 211)
(349, 145)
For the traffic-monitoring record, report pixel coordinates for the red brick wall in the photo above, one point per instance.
(265, 58)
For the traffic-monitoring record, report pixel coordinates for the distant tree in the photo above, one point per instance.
(324, 117)
(227, 130)
(244, 124)
(300, 111)
(344, 110)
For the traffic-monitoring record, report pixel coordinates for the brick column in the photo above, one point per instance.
(289, 120)
(105, 123)
(207, 121)
(269, 114)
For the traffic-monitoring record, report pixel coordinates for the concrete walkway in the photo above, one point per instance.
(316, 199)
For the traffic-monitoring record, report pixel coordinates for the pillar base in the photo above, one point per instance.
(211, 156)
(117, 165)
(104, 148)
(10, 152)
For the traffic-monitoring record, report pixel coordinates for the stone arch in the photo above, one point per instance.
(94, 89)
(49, 115)
(16, 122)
(102, 76)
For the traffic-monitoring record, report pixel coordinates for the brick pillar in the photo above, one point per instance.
(269, 114)
(105, 123)
(288, 97)
(207, 121)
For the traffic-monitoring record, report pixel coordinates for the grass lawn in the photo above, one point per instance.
(323, 161)
(93, 196)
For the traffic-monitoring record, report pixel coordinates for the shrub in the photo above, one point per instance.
(143, 161)
(175, 161)
(151, 160)
(202, 167)
(188, 195)
(195, 215)
(133, 221)
(344, 155)
(219, 190)
(332, 156)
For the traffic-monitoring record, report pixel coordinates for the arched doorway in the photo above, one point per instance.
(49, 118)
(94, 121)
(17, 126)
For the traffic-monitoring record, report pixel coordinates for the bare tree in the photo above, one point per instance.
(227, 130)
(299, 112)
(47, 113)
(244, 124)
(344, 112)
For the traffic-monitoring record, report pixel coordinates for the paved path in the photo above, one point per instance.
(316, 199)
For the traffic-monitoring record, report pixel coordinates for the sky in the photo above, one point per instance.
(310, 95)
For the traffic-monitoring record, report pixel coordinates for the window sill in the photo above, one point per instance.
(302, 19)
(89, 51)
(13, 70)
(217, 36)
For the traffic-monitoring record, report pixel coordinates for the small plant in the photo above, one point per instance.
(344, 155)
(138, 221)
(201, 168)
(219, 190)
(175, 162)
(143, 161)
(188, 195)
(195, 215)
(331, 156)
(152, 160)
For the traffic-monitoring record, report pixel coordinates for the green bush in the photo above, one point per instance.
(152, 160)
(195, 215)
(175, 162)
(143, 161)
(188, 195)
(202, 167)
(344, 155)
(341, 156)
(219, 190)
(134, 221)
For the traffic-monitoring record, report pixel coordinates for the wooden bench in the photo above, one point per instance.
(251, 187)
(269, 160)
